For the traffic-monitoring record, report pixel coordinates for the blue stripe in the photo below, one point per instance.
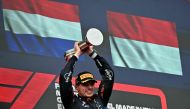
(32, 44)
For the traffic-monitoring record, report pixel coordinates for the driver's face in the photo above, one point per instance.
(86, 89)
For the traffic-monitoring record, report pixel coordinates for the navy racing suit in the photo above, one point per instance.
(72, 100)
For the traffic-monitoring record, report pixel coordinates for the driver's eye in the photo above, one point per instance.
(88, 84)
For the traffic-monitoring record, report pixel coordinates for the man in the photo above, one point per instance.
(86, 99)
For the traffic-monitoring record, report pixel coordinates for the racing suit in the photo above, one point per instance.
(97, 101)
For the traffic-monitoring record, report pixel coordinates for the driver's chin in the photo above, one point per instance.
(89, 94)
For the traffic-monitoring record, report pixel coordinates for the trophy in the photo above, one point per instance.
(93, 37)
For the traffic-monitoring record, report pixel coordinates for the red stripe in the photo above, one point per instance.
(33, 91)
(8, 94)
(143, 29)
(142, 90)
(57, 79)
(13, 76)
(45, 7)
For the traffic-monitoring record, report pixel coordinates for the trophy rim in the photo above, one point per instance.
(94, 36)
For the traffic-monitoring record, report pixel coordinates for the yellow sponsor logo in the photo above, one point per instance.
(83, 76)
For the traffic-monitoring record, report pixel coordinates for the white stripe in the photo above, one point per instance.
(145, 56)
(26, 23)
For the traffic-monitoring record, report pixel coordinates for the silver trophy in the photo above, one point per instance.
(93, 37)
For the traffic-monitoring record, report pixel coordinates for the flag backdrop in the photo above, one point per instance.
(144, 43)
(41, 27)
